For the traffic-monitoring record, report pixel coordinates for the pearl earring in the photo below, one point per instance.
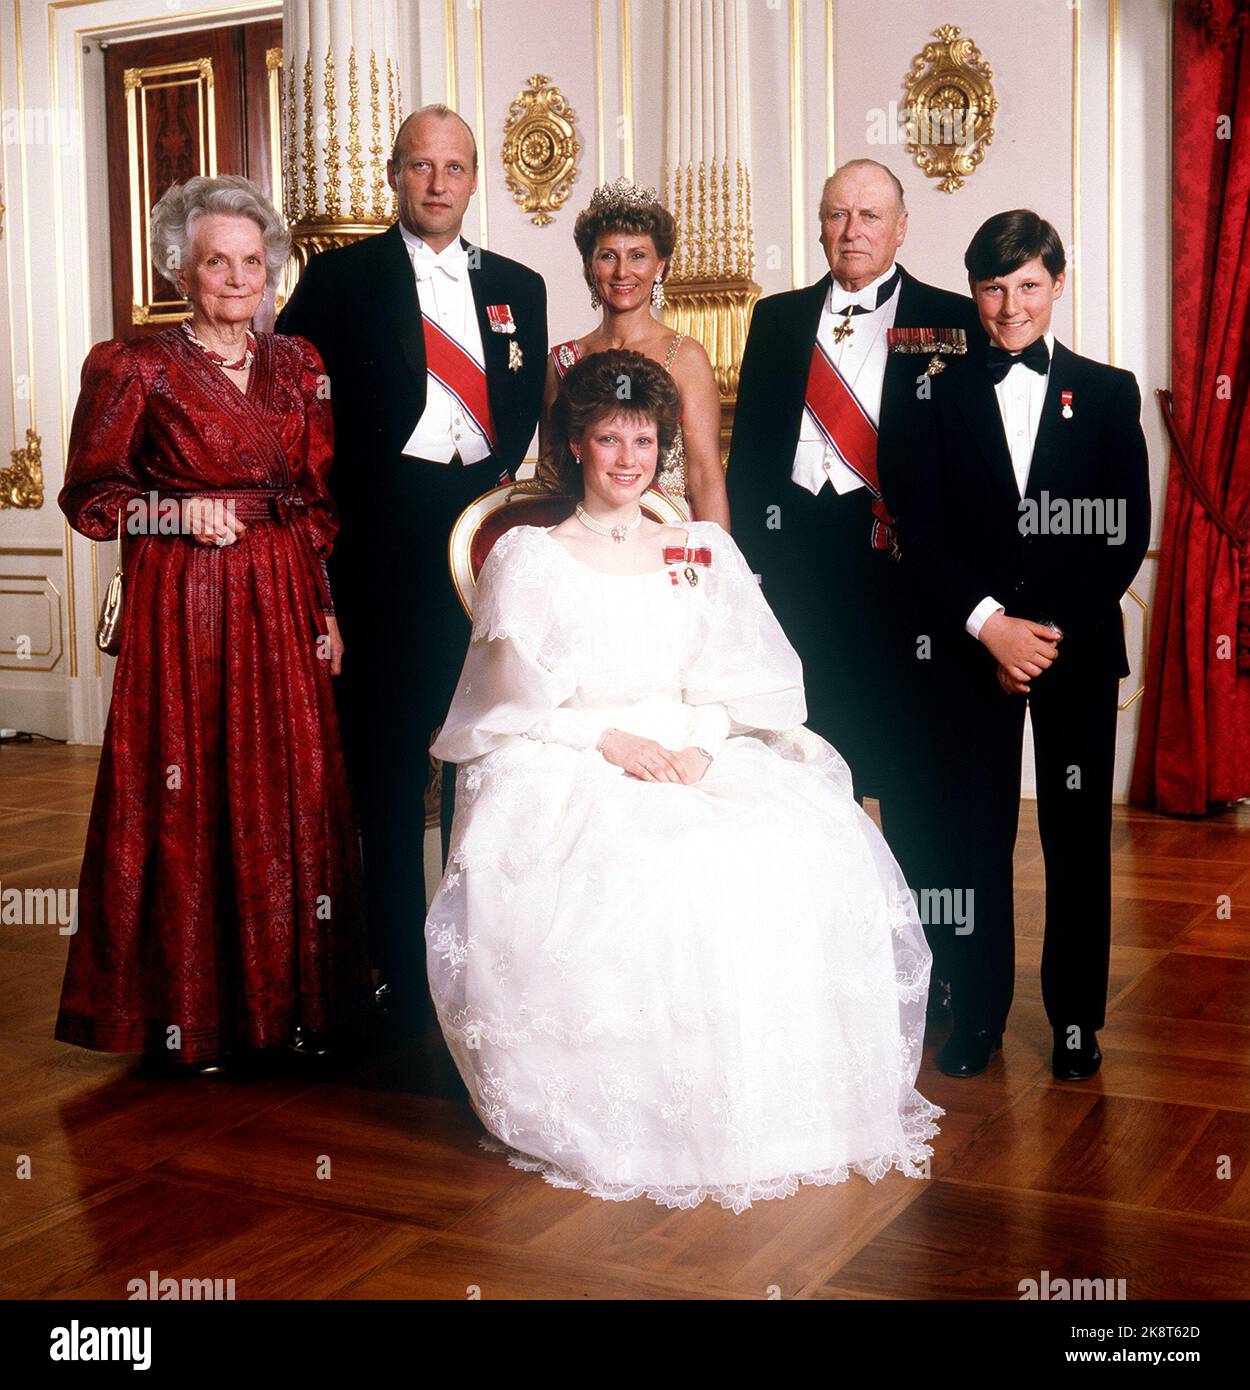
(657, 293)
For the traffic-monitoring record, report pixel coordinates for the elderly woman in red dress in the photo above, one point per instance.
(220, 901)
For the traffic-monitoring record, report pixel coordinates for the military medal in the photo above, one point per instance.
(1065, 400)
(514, 356)
(500, 316)
(936, 342)
(844, 330)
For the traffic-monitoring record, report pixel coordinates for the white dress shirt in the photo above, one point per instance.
(446, 296)
(862, 359)
(1021, 395)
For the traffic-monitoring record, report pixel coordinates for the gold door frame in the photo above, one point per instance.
(197, 72)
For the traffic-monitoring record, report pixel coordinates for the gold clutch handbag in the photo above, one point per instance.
(108, 630)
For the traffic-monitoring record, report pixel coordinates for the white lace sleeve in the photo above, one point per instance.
(744, 673)
(515, 676)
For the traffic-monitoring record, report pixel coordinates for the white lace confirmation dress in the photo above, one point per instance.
(652, 989)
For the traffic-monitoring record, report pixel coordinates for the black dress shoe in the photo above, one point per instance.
(938, 1008)
(965, 1053)
(161, 1066)
(308, 1043)
(1075, 1063)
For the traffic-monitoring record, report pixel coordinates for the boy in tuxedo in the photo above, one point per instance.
(1023, 515)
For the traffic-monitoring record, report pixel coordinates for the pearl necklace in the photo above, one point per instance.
(241, 365)
(618, 533)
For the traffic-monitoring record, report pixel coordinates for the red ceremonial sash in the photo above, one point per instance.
(850, 434)
(458, 372)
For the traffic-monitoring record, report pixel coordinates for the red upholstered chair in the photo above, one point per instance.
(483, 521)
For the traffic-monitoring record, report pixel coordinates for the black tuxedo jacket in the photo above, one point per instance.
(773, 383)
(358, 306)
(966, 533)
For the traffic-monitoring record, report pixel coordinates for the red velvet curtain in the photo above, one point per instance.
(1193, 750)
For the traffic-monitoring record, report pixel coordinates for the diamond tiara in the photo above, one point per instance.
(622, 193)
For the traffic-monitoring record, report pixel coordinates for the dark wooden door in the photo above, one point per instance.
(176, 106)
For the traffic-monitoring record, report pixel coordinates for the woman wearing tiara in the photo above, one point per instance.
(626, 240)
(671, 955)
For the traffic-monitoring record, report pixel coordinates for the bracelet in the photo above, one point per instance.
(705, 753)
(603, 738)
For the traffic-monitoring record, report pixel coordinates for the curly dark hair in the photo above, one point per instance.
(615, 382)
(625, 220)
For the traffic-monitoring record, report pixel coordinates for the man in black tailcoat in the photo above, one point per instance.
(833, 379)
(435, 351)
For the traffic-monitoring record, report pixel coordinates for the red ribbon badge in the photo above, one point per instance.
(676, 555)
(500, 316)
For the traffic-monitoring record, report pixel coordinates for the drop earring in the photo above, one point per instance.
(657, 293)
(595, 301)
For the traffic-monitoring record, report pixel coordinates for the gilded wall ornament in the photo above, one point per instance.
(951, 105)
(21, 484)
(540, 149)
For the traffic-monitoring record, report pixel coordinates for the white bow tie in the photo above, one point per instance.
(841, 300)
(424, 264)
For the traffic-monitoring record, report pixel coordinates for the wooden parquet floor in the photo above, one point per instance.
(365, 1180)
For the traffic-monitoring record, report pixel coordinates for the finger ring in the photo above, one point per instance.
(223, 540)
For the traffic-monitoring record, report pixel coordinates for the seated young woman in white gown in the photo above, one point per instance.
(671, 955)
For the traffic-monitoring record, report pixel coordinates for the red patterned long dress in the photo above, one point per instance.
(220, 901)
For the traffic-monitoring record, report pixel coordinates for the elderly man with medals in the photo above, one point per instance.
(832, 379)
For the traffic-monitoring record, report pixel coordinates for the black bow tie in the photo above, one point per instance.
(998, 363)
(883, 293)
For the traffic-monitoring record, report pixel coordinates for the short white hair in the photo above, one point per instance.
(229, 195)
(895, 182)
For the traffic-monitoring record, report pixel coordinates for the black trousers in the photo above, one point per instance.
(405, 634)
(869, 670)
(1073, 707)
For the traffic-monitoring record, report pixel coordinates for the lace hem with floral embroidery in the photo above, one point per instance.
(911, 1160)
(632, 1021)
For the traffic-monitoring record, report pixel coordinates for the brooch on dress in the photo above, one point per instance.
(677, 555)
